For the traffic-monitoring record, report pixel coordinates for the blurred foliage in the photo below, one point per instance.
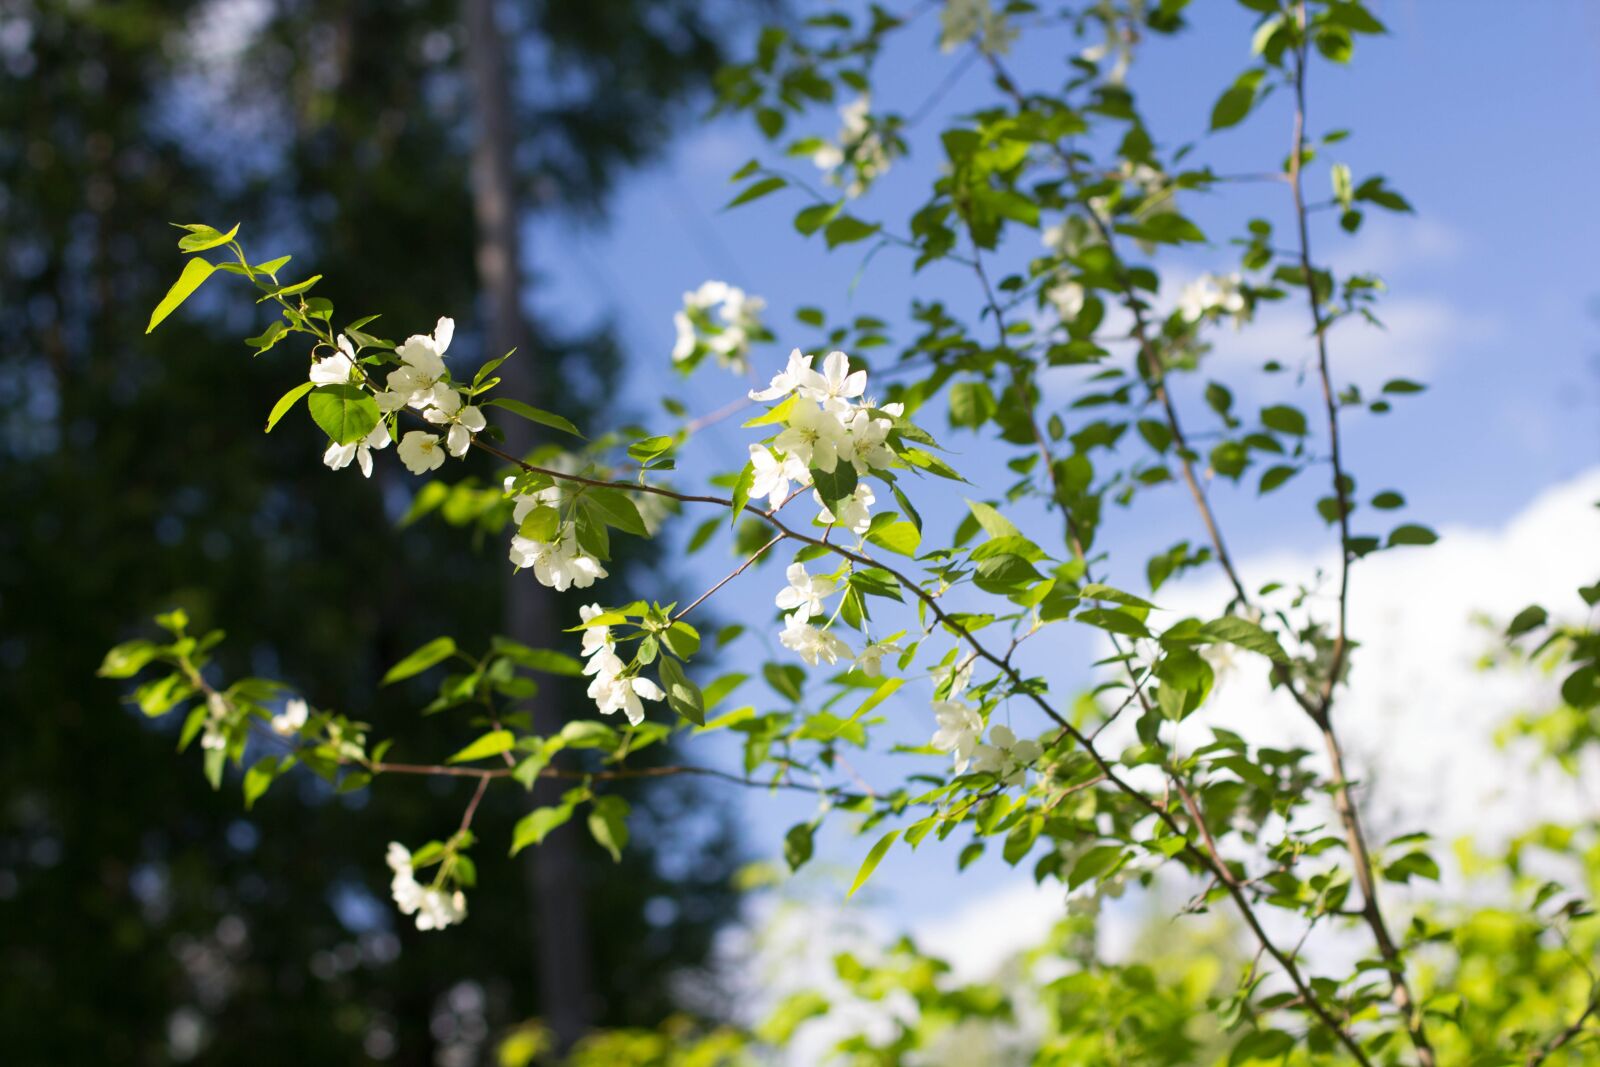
(145, 921)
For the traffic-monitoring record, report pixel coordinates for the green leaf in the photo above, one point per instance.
(1403, 386)
(490, 744)
(741, 492)
(1284, 419)
(614, 507)
(346, 413)
(261, 775)
(608, 823)
(434, 652)
(533, 414)
(798, 844)
(811, 219)
(287, 401)
(203, 237)
(127, 660)
(1094, 863)
(683, 696)
(1245, 634)
(1234, 104)
(756, 191)
(195, 272)
(885, 690)
(874, 858)
(1529, 618)
(681, 639)
(971, 404)
(1412, 534)
(993, 523)
(535, 826)
(846, 229)
(837, 484)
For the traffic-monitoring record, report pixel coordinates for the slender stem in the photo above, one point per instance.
(701, 599)
(1355, 836)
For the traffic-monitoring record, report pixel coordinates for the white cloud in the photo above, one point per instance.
(1418, 720)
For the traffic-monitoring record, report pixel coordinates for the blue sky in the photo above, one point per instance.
(1481, 114)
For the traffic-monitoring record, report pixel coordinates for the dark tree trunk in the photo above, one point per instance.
(554, 870)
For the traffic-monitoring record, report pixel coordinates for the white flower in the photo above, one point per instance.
(962, 20)
(805, 592)
(560, 564)
(738, 318)
(814, 436)
(1068, 298)
(862, 146)
(836, 385)
(787, 380)
(420, 452)
(338, 456)
(595, 637)
(292, 718)
(434, 908)
(439, 909)
(870, 662)
(612, 694)
(869, 440)
(463, 422)
(813, 645)
(958, 675)
(1210, 292)
(854, 511)
(338, 368)
(683, 347)
(417, 381)
(1007, 758)
(773, 475)
(960, 727)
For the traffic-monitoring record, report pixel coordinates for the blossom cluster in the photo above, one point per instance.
(420, 383)
(825, 424)
(434, 907)
(861, 146)
(960, 733)
(610, 688)
(560, 563)
(726, 336)
(1219, 293)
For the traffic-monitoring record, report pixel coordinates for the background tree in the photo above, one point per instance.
(136, 919)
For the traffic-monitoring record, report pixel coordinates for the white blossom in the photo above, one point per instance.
(737, 321)
(434, 907)
(1067, 298)
(1213, 292)
(417, 382)
(773, 475)
(813, 644)
(814, 436)
(421, 452)
(594, 637)
(870, 661)
(861, 146)
(292, 718)
(869, 440)
(805, 592)
(963, 20)
(958, 675)
(561, 564)
(1006, 757)
(836, 385)
(854, 510)
(960, 727)
(787, 380)
(463, 422)
(338, 456)
(336, 369)
(612, 694)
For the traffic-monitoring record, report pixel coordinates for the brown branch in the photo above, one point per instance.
(1355, 836)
